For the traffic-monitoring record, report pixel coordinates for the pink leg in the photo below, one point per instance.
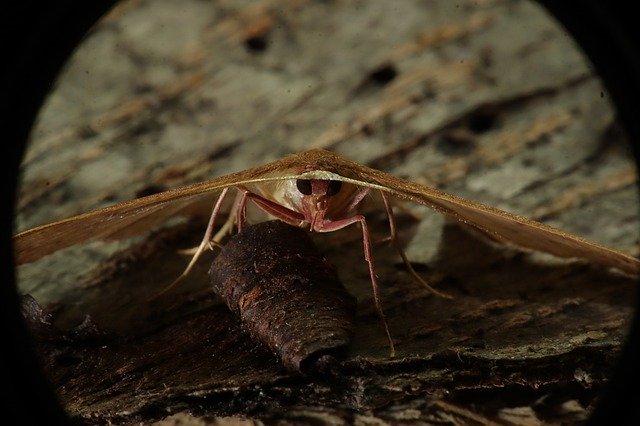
(241, 213)
(227, 227)
(394, 240)
(358, 198)
(286, 215)
(203, 245)
(392, 221)
(329, 226)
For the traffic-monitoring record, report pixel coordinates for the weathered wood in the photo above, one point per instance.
(486, 99)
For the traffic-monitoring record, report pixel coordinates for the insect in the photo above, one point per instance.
(318, 190)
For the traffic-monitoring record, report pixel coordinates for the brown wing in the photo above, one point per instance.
(142, 214)
(137, 216)
(499, 224)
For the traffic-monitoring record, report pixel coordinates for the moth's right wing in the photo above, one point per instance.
(140, 215)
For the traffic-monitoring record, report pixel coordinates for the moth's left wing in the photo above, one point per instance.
(499, 224)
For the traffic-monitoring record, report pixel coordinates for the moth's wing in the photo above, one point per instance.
(498, 224)
(143, 214)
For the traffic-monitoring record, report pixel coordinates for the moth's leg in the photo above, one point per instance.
(393, 237)
(241, 210)
(228, 224)
(283, 213)
(224, 230)
(192, 250)
(357, 199)
(203, 244)
(334, 225)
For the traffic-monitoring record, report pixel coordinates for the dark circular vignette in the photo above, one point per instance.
(37, 39)
(40, 37)
(608, 33)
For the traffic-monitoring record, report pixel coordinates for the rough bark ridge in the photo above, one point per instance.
(486, 99)
(286, 294)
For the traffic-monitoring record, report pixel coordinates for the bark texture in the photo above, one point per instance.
(286, 294)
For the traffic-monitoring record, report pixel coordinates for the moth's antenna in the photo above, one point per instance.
(206, 241)
(393, 237)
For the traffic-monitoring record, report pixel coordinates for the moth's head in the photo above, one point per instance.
(318, 187)
(316, 192)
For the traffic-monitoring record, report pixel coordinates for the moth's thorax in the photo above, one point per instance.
(283, 192)
(317, 199)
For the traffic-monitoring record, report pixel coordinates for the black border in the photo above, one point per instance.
(38, 37)
(608, 32)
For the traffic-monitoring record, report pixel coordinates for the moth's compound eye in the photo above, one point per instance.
(304, 186)
(334, 187)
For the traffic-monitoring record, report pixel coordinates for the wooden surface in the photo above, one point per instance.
(489, 100)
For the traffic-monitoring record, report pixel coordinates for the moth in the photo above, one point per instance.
(318, 190)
